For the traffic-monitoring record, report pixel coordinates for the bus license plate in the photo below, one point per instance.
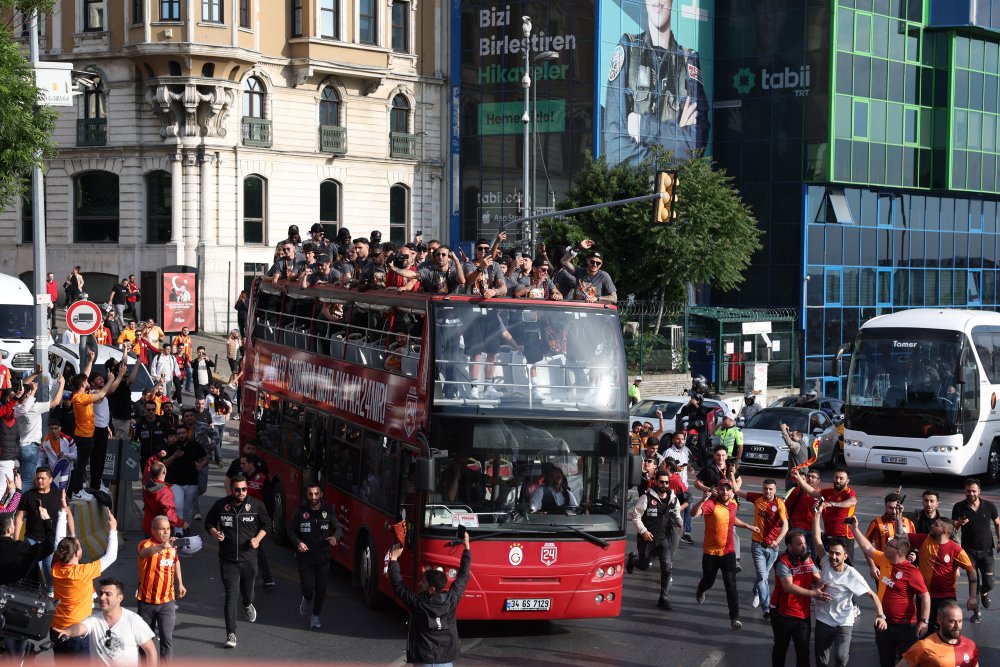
(529, 604)
(896, 460)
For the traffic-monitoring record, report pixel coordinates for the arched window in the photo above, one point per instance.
(92, 129)
(95, 207)
(158, 207)
(329, 208)
(329, 107)
(399, 213)
(254, 196)
(253, 98)
(401, 142)
(332, 133)
(399, 120)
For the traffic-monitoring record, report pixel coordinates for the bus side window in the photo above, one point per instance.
(293, 425)
(269, 422)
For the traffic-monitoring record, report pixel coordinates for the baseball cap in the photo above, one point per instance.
(638, 378)
(316, 228)
(539, 261)
(293, 228)
(597, 255)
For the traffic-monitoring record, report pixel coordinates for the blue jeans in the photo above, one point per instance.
(29, 462)
(687, 520)
(763, 560)
(46, 564)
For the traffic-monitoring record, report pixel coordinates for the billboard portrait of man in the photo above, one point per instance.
(655, 92)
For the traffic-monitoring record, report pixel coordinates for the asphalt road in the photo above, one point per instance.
(691, 635)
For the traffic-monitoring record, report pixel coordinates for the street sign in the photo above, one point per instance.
(84, 317)
(750, 328)
(55, 82)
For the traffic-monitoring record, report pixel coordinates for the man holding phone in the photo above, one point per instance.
(159, 569)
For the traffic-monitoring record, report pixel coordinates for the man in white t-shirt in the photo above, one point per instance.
(116, 634)
(835, 619)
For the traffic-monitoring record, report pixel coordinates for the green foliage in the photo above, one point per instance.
(24, 132)
(712, 240)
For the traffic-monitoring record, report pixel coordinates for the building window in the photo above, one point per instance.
(253, 210)
(367, 17)
(158, 206)
(211, 10)
(329, 19)
(95, 102)
(329, 208)
(399, 213)
(253, 98)
(399, 119)
(296, 18)
(93, 15)
(244, 13)
(170, 10)
(329, 107)
(402, 144)
(95, 207)
(137, 7)
(332, 134)
(400, 26)
(92, 129)
(27, 219)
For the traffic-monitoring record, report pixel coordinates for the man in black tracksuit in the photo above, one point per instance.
(239, 523)
(313, 530)
(433, 635)
(657, 518)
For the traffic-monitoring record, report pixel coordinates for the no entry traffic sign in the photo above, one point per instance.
(83, 317)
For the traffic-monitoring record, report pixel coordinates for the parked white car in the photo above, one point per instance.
(65, 360)
(645, 410)
(763, 446)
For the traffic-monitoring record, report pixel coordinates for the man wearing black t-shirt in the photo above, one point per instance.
(183, 464)
(979, 522)
(35, 528)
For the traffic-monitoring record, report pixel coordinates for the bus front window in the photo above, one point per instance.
(906, 380)
(510, 475)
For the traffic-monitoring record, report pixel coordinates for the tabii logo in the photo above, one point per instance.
(744, 81)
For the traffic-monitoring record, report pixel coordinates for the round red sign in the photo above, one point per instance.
(83, 317)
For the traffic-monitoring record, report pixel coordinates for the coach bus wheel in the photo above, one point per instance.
(368, 572)
(993, 463)
(278, 514)
(892, 475)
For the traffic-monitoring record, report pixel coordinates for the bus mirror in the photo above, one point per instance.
(634, 470)
(425, 475)
(960, 373)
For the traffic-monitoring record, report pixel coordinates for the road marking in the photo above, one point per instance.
(713, 659)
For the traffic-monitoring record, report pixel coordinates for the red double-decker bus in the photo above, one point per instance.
(371, 394)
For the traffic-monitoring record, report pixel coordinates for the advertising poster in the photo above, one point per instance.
(655, 77)
(179, 300)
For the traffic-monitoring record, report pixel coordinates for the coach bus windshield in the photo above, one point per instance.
(905, 382)
(17, 321)
(514, 476)
(503, 357)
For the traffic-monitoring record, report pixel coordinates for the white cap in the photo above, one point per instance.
(638, 378)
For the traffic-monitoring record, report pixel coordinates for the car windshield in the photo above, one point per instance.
(771, 420)
(648, 408)
(17, 321)
(521, 476)
(511, 358)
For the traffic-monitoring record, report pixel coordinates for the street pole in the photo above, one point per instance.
(526, 119)
(535, 147)
(38, 250)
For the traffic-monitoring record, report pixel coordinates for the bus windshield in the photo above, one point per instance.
(17, 321)
(508, 357)
(518, 476)
(904, 379)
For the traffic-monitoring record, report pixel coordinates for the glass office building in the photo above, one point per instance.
(864, 133)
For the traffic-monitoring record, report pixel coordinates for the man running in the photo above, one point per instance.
(657, 519)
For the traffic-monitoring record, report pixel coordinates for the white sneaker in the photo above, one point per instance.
(250, 612)
(492, 394)
(756, 600)
(474, 393)
(230, 640)
(82, 495)
(314, 623)
(536, 394)
(104, 488)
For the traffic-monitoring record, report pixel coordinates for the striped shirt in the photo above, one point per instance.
(156, 574)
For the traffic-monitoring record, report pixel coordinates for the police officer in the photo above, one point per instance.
(313, 530)
(239, 523)
(656, 94)
(657, 518)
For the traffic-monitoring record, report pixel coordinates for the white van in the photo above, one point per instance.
(17, 324)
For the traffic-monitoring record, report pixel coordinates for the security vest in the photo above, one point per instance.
(656, 518)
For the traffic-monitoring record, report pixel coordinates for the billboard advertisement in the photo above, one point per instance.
(655, 77)
(179, 301)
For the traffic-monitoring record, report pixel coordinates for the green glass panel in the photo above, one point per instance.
(862, 33)
(877, 116)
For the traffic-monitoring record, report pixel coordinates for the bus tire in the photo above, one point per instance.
(993, 464)
(892, 475)
(278, 514)
(367, 572)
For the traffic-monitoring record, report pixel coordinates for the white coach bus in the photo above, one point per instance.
(922, 394)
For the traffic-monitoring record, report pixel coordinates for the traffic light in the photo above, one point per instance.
(666, 187)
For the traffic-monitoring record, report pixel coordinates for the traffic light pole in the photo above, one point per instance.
(584, 209)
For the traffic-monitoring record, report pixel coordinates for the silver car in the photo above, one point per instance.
(763, 446)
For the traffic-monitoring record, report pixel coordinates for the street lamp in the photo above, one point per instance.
(539, 57)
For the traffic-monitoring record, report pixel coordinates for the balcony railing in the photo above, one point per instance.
(333, 139)
(403, 145)
(257, 132)
(92, 132)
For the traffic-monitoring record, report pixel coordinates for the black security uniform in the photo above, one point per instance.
(655, 514)
(313, 528)
(239, 522)
(151, 435)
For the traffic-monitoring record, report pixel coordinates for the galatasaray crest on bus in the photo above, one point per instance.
(410, 415)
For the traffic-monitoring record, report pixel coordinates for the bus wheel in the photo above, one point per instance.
(278, 514)
(367, 572)
(892, 475)
(993, 464)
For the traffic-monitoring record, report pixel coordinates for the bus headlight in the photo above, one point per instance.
(944, 449)
(611, 597)
(854, 443)
(600, 572)
(611, 570)
(598, 598)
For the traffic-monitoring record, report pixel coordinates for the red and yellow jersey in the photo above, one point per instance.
(833, 517)
(720, 524)
(881, 530)
(767, 515)
(156, 574)
(939, 564)
(897, 586)
(183, 344)
(932, 651)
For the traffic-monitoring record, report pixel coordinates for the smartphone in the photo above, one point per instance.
(182, 542)
(849, 521)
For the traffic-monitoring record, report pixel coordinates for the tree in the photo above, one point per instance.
(25, 130)
(711, 241)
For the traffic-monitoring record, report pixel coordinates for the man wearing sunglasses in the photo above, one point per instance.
(116, 634)
(657, 519)
(442, 274)
(483, 276)
(592, 283)
(239, 524)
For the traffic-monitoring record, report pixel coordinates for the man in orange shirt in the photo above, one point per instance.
(159, 568)
(884, 528)
(946, 647)
(939, 559)
(83, 413)
(719, 510)
(184, 346)
(839, 504)
(771, 519)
